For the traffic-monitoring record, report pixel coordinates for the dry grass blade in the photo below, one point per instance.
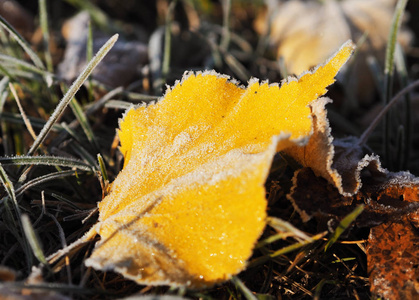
(22, 112)
(284, 226)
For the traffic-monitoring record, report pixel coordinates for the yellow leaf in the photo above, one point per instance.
(189, 204)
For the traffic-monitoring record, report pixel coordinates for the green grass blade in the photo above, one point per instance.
(103, 171)
(33, 239)
(343, 225)
(102, 101)
(296, 246)
(98, 16)
(71, 92)
(136, 97)
(71, 132)
(43, 16)
(20, 63)
(47, 161)
(320, 285)
(243, 289)
(42, 179)
(118, 104)
(85, 155)
(225, 38)
(285, 250)
(84, 123)
(392, 39)
(36, 122)
(5, 71)
(167, 41)
(404, 80)
(4, 82)
(22, 42)
(8, 186)
(70, 202)
(388, 74)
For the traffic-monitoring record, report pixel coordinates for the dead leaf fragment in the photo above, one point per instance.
(119, 68)
(393, 247)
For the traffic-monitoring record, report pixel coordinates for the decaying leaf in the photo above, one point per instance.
(391, 209)
(189, 204)
(346, 179)
(393, 250)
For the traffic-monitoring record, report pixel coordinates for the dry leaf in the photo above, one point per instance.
(393, 252)
(391, 201)
(391, 209)
(120, 67)
(307, 32)
(189, 204)
(341, 162)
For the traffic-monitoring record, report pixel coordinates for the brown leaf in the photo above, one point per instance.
(313, 196)
(392, 204)
(393, 260)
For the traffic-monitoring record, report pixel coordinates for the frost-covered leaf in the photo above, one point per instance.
(340, 161)
(189, 204)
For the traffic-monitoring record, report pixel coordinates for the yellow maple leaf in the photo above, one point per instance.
(189, 204)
